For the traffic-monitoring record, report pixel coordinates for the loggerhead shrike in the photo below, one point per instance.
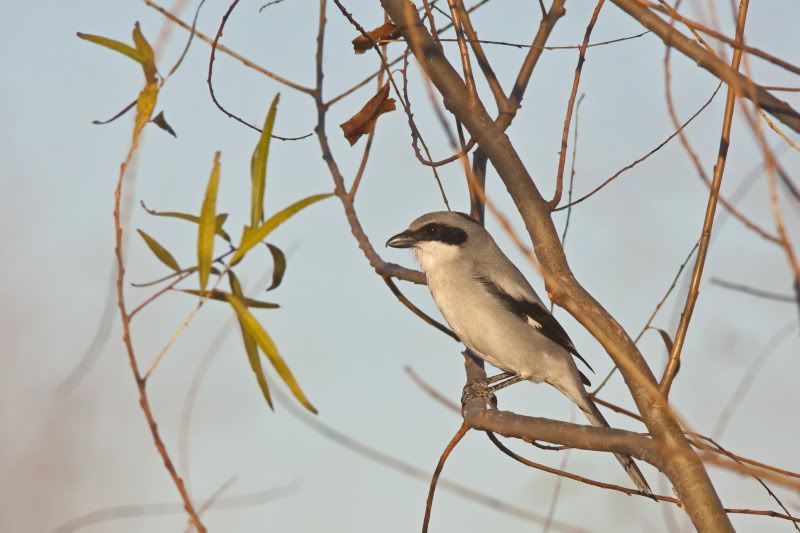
(496, 313)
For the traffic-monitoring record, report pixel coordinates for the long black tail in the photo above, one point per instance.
(596, 418)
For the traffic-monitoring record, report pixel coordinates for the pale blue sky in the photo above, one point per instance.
(345, 337)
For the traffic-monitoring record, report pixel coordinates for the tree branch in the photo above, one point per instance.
(684, 468)
(710, 62)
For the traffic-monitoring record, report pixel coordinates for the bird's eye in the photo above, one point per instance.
(432, 230)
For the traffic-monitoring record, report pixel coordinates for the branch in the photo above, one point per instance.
(753, 291)
(562, 154)
(710, 62)
(684, 468)
(705, 235)
(438, 471)
(140, 381)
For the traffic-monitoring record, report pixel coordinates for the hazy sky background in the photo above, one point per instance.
(347, 340)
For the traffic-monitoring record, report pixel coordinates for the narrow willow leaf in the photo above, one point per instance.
(264, 342)
(115, 45)
(207, 225)
(116, 116)
(278, 265)
(146, 50)
(253, 236)
(223, 297)
(160, 252)
(666, 338)
(161, 121)
(258, 166)
(221, 218)
(250, 346)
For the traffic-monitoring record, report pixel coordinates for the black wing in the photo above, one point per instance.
(538, 317)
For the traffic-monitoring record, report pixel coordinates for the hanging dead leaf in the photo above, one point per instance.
(363, 43)
(364, 121)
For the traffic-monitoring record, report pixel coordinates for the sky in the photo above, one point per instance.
(68, 452)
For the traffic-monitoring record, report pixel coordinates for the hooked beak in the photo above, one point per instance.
(401, 240)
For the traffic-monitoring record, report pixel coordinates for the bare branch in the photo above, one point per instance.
(438, 471)
(753, 291)
(562, 154)
(710, 62)
(629, 166)
(705, 237)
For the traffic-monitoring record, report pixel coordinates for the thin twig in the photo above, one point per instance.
(629, 166)
(224, 49)
(562, 157)
(737, 44)
(652, 316)
(128, 342)
(760, 482)
(438, 471)
(736, 398)
(753, 291)
(576, 477)
(417, 311)
(571, 173)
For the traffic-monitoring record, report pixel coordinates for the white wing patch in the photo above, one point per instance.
(534, 323)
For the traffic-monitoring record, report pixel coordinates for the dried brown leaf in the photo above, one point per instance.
(363, 43)
(364, 121)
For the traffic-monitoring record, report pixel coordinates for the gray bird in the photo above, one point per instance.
(495, 312)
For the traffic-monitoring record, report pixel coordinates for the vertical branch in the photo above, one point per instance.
(466, 65)
(141, 382)
(705, 237)
(562, 157)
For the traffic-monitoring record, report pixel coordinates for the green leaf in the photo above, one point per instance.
(115, 45)
(252, 236)
(207, 225)
(258, 166)
(221, 218)
(144, 48)
(250, 345)
(278, 265)
(223, 297)
(160, 252)
(264, 342)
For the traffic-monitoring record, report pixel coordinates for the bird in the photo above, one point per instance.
(496, 314)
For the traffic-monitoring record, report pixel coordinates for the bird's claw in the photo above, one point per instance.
(478, 389)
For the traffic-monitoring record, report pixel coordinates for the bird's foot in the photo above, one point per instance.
(478, 389)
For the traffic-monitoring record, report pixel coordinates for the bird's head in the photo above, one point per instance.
(439, 236)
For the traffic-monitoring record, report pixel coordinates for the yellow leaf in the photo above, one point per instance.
(250, 346)
(145, 105)
(115, 45)
(264, 342)
(258, 165)
(207, 225)
(144, 48)
(160, 252)
(252, 236)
